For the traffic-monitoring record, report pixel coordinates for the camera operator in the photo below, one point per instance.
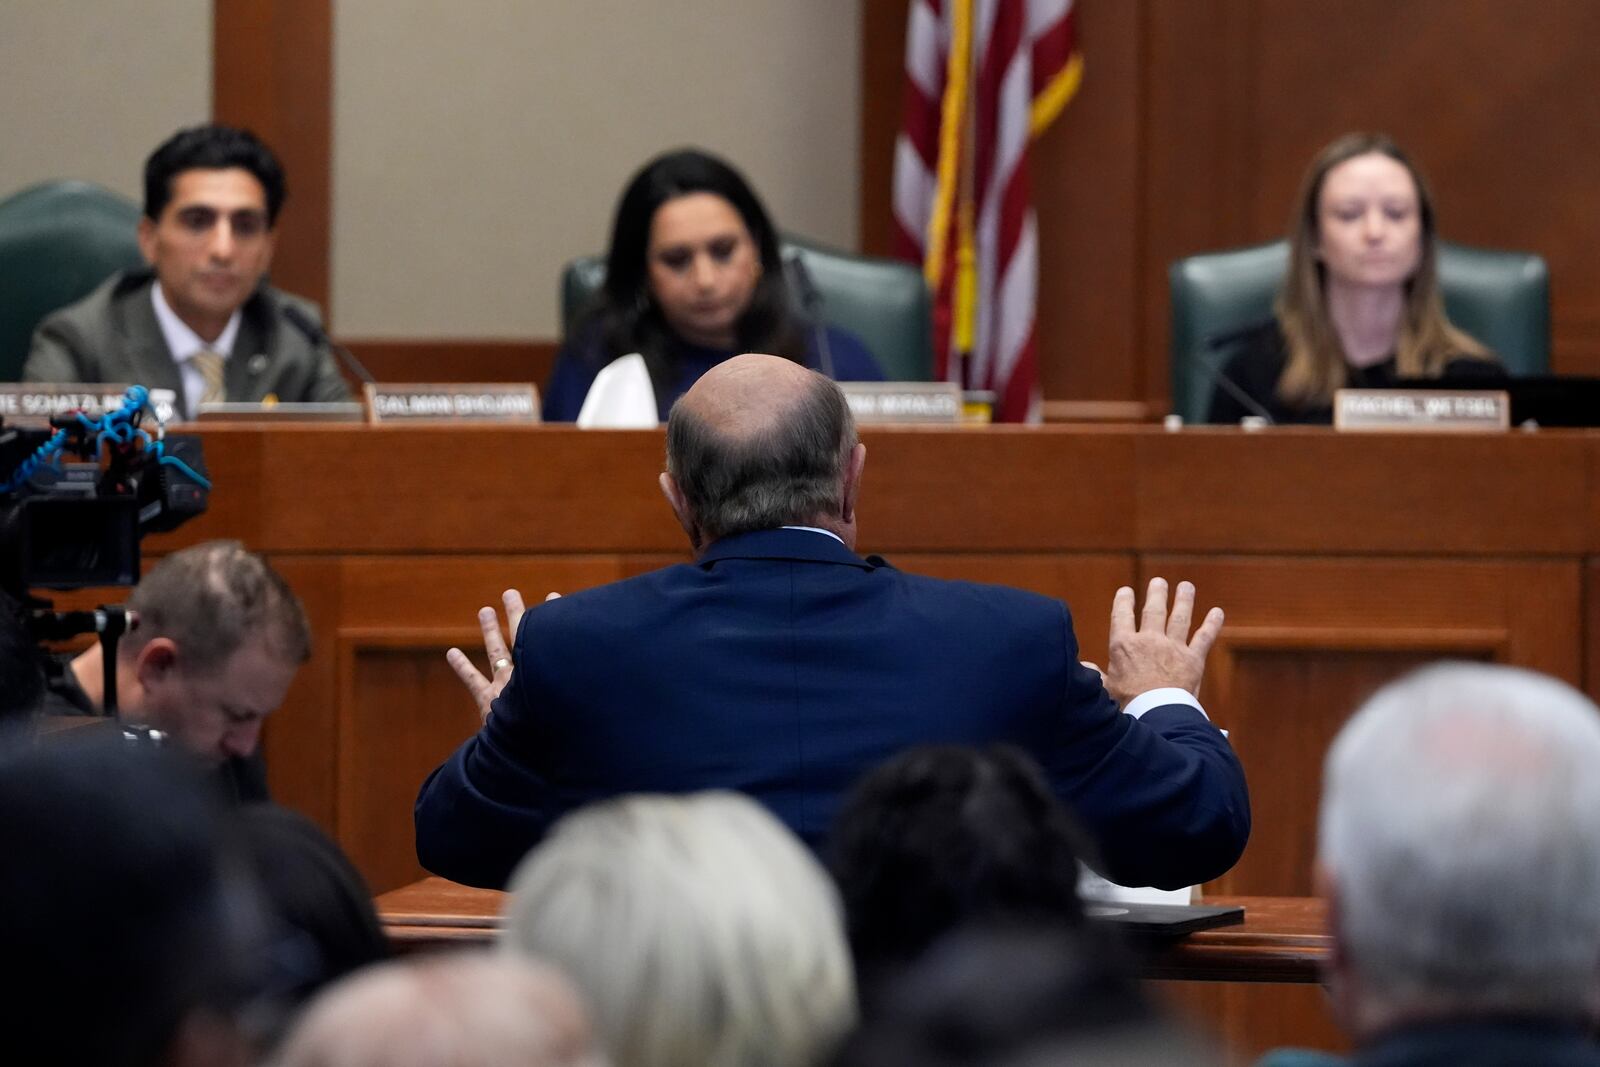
(218, 639)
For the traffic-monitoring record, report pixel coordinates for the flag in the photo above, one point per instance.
(983, 78)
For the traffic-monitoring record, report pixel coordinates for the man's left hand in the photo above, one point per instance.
(495, 644)
(1158, 651)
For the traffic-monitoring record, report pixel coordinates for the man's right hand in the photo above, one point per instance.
(1158, 652)
(495, 644)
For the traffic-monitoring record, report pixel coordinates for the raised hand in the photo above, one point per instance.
(495, 643)
(1157, 652)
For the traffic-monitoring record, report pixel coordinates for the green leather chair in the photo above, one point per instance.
(884, 302)
(1501, 298)
(58, 240)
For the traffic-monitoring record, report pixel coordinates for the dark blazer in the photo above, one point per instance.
(112, 335)
(785, 666)
(1259, 360)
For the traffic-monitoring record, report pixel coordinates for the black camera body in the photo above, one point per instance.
(77, 497)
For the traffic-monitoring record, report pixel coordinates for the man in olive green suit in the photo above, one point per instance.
(199, 320)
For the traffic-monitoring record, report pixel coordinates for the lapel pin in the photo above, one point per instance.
(258, 363)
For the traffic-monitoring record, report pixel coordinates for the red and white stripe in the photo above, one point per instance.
(1019, 49)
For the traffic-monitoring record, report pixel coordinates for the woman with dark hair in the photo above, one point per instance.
(693, 277)
(1361, 306)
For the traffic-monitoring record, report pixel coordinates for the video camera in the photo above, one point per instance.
(75, 499)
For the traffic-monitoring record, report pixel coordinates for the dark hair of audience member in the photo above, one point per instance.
(212, 147)
(1018, 995)
(629, 319)
(944, 835)
(21, 670)
(323, 923)
(123, 932)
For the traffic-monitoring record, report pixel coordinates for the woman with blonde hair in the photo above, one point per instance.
(1360, 306)
(701, 932)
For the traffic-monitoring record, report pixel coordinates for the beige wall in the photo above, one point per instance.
(89, 88)
(480, 144)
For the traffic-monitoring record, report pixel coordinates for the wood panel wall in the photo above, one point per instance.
(1197, 117)
(272, 72)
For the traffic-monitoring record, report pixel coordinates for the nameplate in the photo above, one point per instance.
(912, 402)
(34, 403)
(476, 402)
(282, 411)
(1422, 410)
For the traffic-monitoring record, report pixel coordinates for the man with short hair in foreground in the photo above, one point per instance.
(1460, 855)
(219, 638)
(783, 665)
(200, 320)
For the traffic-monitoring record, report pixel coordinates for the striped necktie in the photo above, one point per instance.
(210, 365)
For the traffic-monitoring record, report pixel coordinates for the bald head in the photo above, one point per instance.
(747, 394)
(761, 442)
(465, 1009)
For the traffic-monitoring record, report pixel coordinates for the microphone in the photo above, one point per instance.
(811, 301)
(1208, 359)
(319, 337)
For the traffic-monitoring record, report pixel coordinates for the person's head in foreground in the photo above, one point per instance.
(699, 929)
(1018, 995)
(944, 834)
(466, 1010)
(1459, 849)
(319, 907)
(760, 442)
(125, 937)
(220, 636)
(211, 200)
(1363, 225)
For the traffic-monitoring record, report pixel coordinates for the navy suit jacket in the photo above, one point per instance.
(783, 665)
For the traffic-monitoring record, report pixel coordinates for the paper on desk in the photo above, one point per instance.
(621, 397)
(1093, 887)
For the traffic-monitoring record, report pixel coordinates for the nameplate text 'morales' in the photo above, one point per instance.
(903, 402)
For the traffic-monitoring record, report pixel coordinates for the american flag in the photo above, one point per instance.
(983, 78)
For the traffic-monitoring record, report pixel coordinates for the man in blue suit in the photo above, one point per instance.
(782, 664)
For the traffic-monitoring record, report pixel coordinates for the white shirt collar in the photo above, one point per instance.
(816, 529)
(183, 342)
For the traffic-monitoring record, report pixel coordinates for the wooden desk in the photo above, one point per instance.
(434, 913)
(1280, 940)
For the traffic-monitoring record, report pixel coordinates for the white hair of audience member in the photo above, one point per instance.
(701, 932)
(1460, 836)
(479, 1009)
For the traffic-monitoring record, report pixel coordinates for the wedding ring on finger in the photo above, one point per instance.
(500, 664)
